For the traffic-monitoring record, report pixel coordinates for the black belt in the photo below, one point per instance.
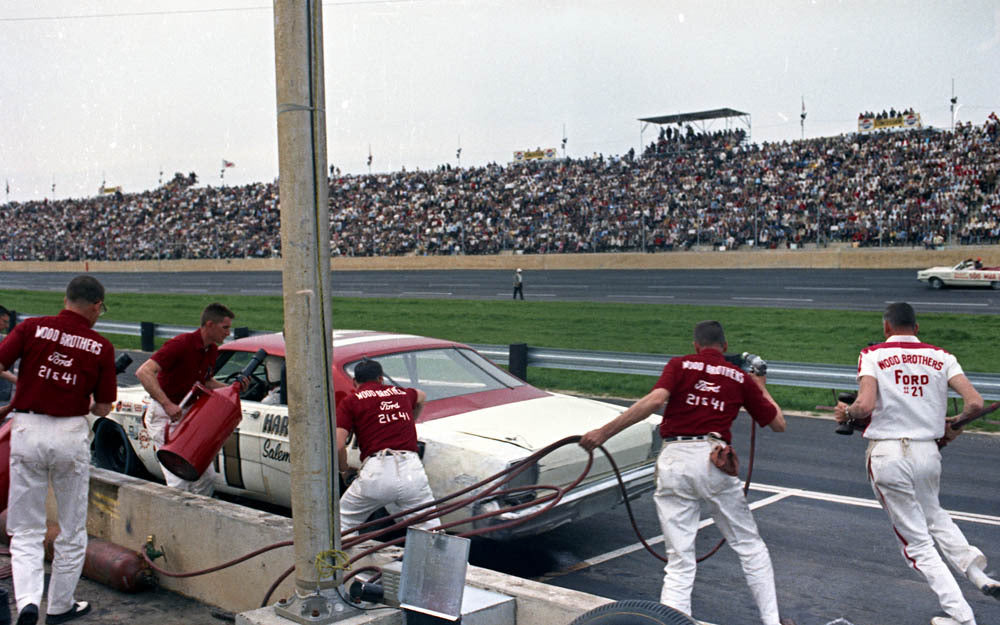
(697, 437)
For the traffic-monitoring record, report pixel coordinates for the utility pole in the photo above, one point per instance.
(305, 238)
(564, 140)
(954, 101)
(458, 152)
(802, 119)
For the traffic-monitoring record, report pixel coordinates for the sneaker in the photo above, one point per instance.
(992, 590)
(79, 609)
(29, 615)
(945, 620)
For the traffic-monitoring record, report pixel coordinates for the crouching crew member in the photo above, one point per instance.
(703, 394)
(67, 370)
(170, 373)
(383, 418)
(903, 384)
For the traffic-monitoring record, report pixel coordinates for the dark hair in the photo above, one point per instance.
(84, 289)
(4, 311)
(216, 312)
(900, 315)
(709, 333)
(367, 371)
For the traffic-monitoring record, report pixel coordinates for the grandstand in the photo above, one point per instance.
(921, 187)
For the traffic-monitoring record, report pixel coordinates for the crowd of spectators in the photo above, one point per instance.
(890, 114)
(910, 188)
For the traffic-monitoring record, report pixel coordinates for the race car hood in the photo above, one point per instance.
(532, 424)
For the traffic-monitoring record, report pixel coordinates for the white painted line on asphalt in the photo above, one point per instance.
(424, 293)
(827, 288)
(342, 292)
(773, 299)
(530, 294)
(617, 553)
(780, 492)
(643, 296)
(942, 303)
(682, 286)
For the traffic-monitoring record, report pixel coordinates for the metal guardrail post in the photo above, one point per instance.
(147, 330)
(517, 360)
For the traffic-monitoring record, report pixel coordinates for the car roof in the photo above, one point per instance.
(348, 345)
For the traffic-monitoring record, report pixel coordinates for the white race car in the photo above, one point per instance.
(477, 421)
(965, 273)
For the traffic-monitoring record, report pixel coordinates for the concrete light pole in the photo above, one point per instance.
(305, 246)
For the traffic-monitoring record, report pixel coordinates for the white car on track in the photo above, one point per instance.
(477, 421)
(964, 273)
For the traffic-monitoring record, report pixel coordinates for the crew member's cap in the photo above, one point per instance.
(518, 270)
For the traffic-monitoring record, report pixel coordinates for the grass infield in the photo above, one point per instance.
(820, 336)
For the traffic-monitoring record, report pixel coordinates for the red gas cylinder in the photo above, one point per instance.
(197, 439)
(4, 462)
(106, 563)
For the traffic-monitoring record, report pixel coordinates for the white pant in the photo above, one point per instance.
(906, 478)
(44, 449)
(393, 479)
(685, 477)
(157, 424)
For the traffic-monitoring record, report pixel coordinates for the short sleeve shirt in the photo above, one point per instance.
(381, 416)
(706, 393)
(183, 361)
(63, 364)
(912, 382)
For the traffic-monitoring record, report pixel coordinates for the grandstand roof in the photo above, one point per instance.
(696, 116)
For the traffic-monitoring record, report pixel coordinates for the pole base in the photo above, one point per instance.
(319, 608)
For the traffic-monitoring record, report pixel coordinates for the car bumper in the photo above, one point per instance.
(581, 502)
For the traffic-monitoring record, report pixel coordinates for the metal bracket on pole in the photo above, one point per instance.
(322, 607)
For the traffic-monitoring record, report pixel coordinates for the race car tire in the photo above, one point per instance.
(112, 450)
(634, 612)
(995, 286)
(935, 283)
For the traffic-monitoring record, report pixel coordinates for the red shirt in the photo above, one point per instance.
(63, 363)
(706, 393)
(381, 417)
(183, 361)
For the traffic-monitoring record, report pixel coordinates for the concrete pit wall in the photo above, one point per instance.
(198, 532)
(838, 256)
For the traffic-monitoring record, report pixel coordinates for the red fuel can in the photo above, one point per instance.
(197, 439)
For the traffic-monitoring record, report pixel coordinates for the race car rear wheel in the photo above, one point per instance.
(935, 283)
(995, 286)
(633, 612)
(112, 450)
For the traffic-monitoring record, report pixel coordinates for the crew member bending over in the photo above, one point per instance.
(903, 384)
(170, 373)
(383, 418)
(703, 394)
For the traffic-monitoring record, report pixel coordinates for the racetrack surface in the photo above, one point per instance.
(837, 289)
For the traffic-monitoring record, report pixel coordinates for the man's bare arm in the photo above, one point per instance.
(635, 413)
(147, 373)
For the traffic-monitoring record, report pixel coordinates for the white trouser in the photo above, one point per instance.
(157, 424)
(394, 479)
(906, 478)
(44, 449)
(686, 477)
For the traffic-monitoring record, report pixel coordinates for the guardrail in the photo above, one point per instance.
(519, 356)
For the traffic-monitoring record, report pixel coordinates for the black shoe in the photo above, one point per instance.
(79, 609)
(29, 615)
(993, 590)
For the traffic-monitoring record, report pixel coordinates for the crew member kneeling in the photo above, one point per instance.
(383, 417)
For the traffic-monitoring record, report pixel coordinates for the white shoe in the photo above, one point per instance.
(947, 620)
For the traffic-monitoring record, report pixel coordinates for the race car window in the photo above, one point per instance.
(443, 373)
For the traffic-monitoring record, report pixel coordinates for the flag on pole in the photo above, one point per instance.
(803, 116)
(226, 164)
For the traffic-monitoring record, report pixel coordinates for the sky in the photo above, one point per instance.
(113, 92)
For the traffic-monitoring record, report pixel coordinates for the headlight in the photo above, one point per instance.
(528, 477)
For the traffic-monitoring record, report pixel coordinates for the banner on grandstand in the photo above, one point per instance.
(870, 124)
(103, 189)
(547, 154)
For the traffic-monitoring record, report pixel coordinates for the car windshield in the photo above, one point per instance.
(443, 373)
